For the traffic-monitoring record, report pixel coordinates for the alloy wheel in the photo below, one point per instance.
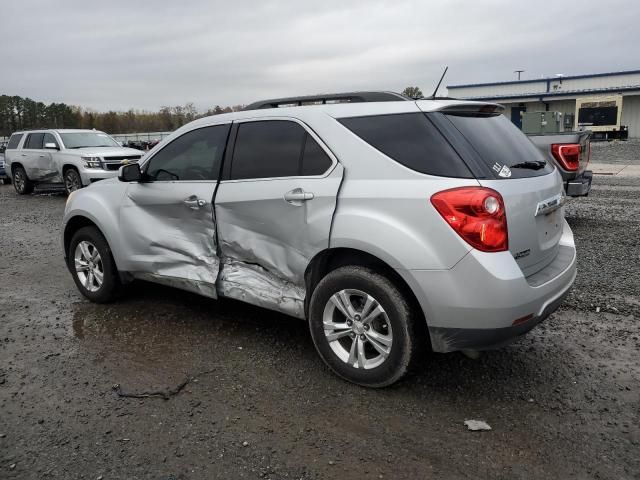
(18, 180)
(72, 181)
(89, 267)
(357, 329)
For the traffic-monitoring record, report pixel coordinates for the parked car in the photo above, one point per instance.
(4, 177)
(72, 158)
(570, 152)
(387, 224)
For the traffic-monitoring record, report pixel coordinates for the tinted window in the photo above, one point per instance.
(500, 143)
(49, 138)
(34, 140)
(412, 140)
(196, 155)
(314, 160)
(14, 141)
(267, 149)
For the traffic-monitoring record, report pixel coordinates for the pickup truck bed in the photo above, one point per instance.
(577, 181)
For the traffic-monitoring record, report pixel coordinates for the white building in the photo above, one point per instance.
(559, 93)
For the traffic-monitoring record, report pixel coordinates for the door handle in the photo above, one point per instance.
(194, 202)
(24, 154)
(297, 196)
(42, 156)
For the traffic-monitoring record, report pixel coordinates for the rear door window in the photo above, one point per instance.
(315, 160)
(499, 144)
(34, 141)
(267, 149)
(14, 141)
(411, 140)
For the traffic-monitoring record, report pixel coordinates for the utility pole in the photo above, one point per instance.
(518, 72)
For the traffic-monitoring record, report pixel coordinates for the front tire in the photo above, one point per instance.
(21, 182)
(72, 180)
(92, 266)
(363, 327)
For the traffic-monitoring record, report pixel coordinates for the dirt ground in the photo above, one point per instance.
(563, 402)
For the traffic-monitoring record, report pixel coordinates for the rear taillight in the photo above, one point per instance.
(476, 214)
(568, 154)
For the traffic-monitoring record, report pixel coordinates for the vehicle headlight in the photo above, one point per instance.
(92, 162)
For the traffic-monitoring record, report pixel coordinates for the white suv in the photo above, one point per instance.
(74, 158)
(386, 223)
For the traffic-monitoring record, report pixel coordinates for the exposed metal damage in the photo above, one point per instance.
(253, 284)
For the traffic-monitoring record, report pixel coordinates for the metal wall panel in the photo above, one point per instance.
(631, 115)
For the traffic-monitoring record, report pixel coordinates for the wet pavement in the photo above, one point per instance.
(563, 402)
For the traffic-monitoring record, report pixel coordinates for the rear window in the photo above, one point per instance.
(499, 144)
(14, 141)
(412, 140)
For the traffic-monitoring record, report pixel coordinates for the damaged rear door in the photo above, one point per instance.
(167, 222)
(274, 209)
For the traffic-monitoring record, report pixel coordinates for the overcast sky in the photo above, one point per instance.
(144, 54)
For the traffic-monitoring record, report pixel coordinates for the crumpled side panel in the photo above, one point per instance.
(163, 237)
(253, 284)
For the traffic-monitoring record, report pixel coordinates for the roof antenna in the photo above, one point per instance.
(433, 95)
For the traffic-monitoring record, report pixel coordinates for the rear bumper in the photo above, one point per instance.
(579, 187)
(485, 302)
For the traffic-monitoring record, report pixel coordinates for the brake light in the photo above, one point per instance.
(476, 214)
(568, 154)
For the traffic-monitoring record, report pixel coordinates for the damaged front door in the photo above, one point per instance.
(167, 219)
(274, 211)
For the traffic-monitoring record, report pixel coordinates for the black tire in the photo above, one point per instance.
(72, 180)
(21, 182)
(6, 181)
(111, 287)
(401, 318)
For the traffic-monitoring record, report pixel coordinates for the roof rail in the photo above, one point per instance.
(351, 97)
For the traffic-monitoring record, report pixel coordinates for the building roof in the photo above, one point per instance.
(557, 93)
(544, 79)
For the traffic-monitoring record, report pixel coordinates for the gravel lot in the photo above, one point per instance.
(563, 402)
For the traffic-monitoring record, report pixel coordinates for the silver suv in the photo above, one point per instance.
(74, 158)
(386, 223)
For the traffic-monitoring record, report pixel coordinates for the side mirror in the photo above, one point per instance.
(51, 146)
(130, 173)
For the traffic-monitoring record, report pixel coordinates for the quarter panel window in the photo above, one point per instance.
(411, 140)
(196, 155)
(34, 141)
(267, 149)
(14, 141)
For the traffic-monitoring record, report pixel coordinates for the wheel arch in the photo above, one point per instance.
(332, 258)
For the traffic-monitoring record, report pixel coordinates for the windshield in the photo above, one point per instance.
(87, 139)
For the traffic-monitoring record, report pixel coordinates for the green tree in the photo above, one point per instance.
(412, 92)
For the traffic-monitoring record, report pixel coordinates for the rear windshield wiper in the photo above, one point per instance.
(535, 165)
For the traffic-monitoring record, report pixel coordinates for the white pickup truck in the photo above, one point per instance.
(72, 158)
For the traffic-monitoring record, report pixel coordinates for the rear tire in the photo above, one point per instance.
(72, 180)
(92, 266)
(373, 352)
(21, 182)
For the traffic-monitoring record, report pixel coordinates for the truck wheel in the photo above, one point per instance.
(92, 266)
(363, 327)
(21, 182)
(72, 181)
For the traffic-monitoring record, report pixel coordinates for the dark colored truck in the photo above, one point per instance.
(570, 152)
